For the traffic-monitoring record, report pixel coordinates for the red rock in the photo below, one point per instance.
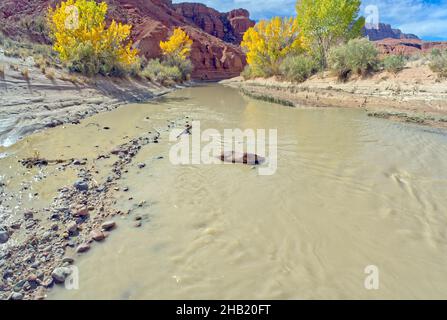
(108, 225)
(407, 46)
(83, 248)
(97, 235)
(82, 212)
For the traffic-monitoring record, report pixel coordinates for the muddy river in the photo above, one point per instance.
(350, 193)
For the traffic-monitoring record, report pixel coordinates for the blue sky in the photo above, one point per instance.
(425, 18)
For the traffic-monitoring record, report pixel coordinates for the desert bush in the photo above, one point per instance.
(50, 74)
(394, 63)
(250, 73)
(358, 56)
(438, 62)
(90, 47)
(161, 72)
(2, 70)
(297, 68)
(25, 73)
(183, 65)
(246, 73)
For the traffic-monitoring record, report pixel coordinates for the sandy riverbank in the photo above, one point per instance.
(37, 101)
(414, 95)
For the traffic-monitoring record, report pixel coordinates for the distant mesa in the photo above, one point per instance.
(394, 41)
(385, 31)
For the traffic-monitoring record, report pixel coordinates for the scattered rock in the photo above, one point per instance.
(16, 296)
(108, 225)
(97, 235)
(137, 224)
(60, 274)
(69, 260)
(72, 227)
(28, 215)
(4, 236)
(84, 247)
(141, 165)
(81, 185)
(82, 212)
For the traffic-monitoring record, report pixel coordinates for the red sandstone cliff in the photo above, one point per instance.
(408, 46)
(215, 54)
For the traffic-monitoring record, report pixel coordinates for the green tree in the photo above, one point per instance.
(324, 23)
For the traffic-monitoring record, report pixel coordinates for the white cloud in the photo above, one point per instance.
(427, 19)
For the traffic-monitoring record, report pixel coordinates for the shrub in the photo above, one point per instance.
(297, 68)
(25, 73)
(338, 62)
(250, 72)
(438, 63)
(162, 73)
(358, 56)
(394, 64)
(246, 73)
(83, 41)
(2, 70)
(184, 65)
(50, 74)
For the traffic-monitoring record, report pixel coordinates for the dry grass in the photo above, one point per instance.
(14, 67)
(25, 73)
(69, 77)
(50, 74)
(2, 70)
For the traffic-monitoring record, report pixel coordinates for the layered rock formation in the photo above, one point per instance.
(229, 26)
(215, 54)
(385, 31)
(408, 46)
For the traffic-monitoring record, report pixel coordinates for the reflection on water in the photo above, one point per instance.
(349, 192)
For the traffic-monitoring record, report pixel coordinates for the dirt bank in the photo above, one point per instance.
(31, 100)
(414, 95)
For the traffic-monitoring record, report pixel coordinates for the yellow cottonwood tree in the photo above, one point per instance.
(269, 42)
(324, 23)
(177, 47)
(82, 38)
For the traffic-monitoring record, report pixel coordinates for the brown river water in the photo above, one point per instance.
(349, 192)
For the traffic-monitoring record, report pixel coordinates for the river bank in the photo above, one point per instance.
(58, 192)
(32, 100)
(54, 205)
(415, 95)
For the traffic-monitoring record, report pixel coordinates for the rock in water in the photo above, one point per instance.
(81, 185)
(60, 274)
(97, 235)
(108, 225)
(4, 236)
(244, 158)
(83, 248)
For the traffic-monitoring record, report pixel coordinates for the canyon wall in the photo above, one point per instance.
(216, 53)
